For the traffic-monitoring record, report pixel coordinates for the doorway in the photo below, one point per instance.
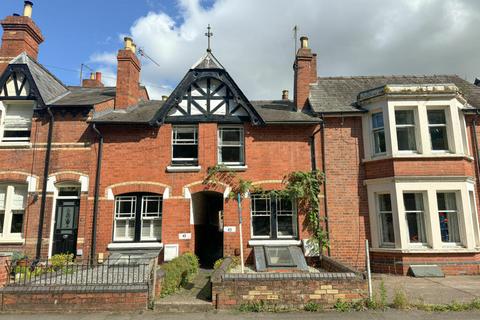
(66, 221)
(208, 223)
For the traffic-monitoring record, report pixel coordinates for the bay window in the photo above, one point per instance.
(448, 216)
(378, 133)
(414, 213)
(273, 217)
(12, 211)
(185, 145)
(138, 217)
(405, 123)
(437, 127)
(231, 146)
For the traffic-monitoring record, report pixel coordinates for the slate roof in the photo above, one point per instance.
(49, 87)
(281, 111)
(339, 94)
(141, 114)
(81, 96)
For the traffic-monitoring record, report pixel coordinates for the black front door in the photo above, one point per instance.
(66, 226)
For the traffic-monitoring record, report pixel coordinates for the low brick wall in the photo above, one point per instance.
(291, 290)
(133, 298)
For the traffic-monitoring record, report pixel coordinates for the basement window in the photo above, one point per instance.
(279, 257)
(185, 145)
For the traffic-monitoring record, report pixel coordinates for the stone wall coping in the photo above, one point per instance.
(220, 273)
(76, 289)
(279, 276)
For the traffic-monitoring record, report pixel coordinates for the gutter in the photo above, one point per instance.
(44, 185)
(475, 143)
(96, 193)
(314, 168)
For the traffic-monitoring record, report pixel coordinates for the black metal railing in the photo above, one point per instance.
(112, 272)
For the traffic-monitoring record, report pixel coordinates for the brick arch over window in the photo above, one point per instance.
(199, 186)
(137, 186)
(269, 184)
(19, 177)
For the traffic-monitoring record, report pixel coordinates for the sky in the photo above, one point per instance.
(254, 39)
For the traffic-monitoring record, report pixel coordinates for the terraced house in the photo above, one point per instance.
(93, 170)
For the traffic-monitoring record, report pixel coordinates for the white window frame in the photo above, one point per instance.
(25, 126)
(447, 127)
(191, 142)
(377, 130)
(125, 216)
(6, 233)
(421, 224)
(241, 145)
(380, 214)
(152, 217)
(266, 213)
(414, 126)
(468, 220)
(456, 212)
(290, 213)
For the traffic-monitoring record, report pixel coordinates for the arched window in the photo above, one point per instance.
(138, 217)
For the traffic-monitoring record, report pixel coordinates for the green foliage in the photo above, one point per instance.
(451, 307)
(17, 255)
(178, 272)
(342, 306)
(255, 306)
(382, 303)
(235, 263)
(300, 186)
(312, 307)
(61, 261)
(400, 299)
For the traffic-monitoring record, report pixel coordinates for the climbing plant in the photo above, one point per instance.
(302, 186)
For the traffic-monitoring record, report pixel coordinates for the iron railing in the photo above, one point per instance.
(112, 272)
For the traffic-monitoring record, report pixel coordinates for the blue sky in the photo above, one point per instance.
(253, 39)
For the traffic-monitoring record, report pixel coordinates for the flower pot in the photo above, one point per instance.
(22, 263)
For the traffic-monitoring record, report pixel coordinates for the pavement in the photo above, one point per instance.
(430, 290)
(390, 315)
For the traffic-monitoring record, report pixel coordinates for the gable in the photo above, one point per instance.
(15, 86)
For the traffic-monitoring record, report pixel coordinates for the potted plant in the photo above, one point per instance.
(19, 259)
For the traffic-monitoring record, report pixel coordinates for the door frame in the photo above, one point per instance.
(54, 211)
(77, 200)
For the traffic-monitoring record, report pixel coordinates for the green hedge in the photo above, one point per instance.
(178, 272)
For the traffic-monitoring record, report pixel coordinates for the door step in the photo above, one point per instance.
(201, 306)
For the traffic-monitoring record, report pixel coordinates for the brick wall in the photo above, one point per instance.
(74, 301)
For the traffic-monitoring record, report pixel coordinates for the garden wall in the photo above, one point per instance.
(291, 290)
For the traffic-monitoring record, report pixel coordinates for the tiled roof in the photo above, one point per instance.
(281, 111)
(141, 114)
(339, 94)
(81, 96)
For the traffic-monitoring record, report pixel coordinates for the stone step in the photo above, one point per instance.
(183, 307)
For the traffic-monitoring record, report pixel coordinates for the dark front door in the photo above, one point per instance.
(66, 226)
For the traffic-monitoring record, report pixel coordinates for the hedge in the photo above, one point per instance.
(178, 272)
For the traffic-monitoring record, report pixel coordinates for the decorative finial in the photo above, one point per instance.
(208, 34)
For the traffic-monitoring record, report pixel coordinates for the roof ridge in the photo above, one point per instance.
(386, 76)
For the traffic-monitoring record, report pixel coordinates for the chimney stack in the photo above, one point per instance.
(20, 34)
(95, 81)
(128, 75)
(284, 94)
(305, 68)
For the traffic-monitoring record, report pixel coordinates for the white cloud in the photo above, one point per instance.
(253, 40)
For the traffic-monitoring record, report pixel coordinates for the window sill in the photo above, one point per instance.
(134, 245)
(12, 241)
(427, 250)
(183, 168)
(234, 168)
(279, 242)
(418, 156)
(15, 145)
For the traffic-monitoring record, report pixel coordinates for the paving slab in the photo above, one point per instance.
(430, 290)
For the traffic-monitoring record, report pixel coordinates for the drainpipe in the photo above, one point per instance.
(475, 143)
(96, 192)
(314, 168)
(44, 186)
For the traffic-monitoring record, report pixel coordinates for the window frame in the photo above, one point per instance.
(423, 213)
(174, 142)
(137, 216)
(457, 213)
(377, 130)
(26, 127)
(380, 215)
(446, 125)
(273, 215)
(241, 145)
(413, 126)
(6, 233)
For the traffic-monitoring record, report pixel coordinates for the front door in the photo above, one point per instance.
(66, 226)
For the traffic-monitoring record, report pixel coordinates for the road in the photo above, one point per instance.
(390, 315)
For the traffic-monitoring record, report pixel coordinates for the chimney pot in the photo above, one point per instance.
(284, 94)
(27, 9)
(98, 76)
(164, 98)
(92, 76)
(304, 42)
(134, 47)
(128, 43)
